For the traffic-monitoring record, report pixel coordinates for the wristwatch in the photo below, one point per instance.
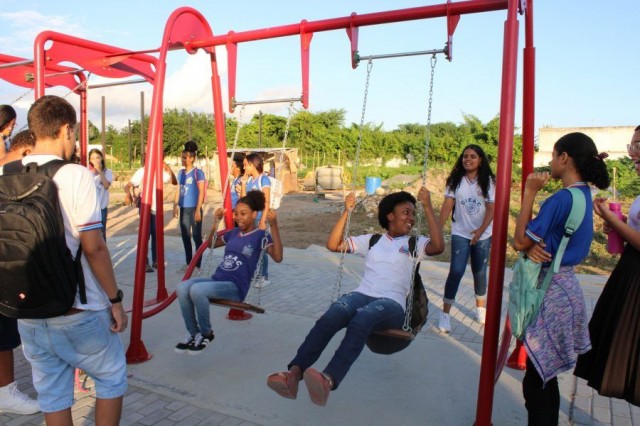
(118, 297)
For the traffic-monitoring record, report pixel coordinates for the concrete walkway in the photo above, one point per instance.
(433, 382)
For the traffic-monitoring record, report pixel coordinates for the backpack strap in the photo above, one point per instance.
(576, 215)
(374, 239)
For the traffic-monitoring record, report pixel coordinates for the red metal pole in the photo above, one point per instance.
(161, 291)
(528, 109)
(137, 352)
(221, 139)
(486, 384)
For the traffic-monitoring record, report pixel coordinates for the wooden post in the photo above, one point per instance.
(104, 125)
(142, 129)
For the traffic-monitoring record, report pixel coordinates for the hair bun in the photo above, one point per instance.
(191, 146)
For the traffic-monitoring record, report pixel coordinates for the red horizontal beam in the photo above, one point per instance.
(411, 14)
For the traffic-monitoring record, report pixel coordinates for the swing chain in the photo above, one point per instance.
(226, 181)
(337, 288)
(360, 134)
(284, 140)
(21, 96)
(258, 272)
(82, 84)
(434, 60)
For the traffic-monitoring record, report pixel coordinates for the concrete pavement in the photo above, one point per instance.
(434, 381)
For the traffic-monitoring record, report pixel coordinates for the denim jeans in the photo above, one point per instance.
(361, 315)
(193, 296)
(152, 233)
(188, 228)
(461, 248)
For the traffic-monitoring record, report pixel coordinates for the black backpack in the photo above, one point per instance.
(40, 278)
(419, 309)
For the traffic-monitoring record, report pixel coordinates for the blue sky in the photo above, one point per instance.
(586, 57)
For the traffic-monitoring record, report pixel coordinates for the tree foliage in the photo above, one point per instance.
(323, 134)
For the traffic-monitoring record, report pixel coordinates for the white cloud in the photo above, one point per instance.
(25, 25)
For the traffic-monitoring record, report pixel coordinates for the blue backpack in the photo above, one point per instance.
(526, 292)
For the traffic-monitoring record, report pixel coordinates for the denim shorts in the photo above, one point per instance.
(56, 346)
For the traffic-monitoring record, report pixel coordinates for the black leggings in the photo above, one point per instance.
(542, 403)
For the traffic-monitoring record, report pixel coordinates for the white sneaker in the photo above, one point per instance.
(262, 282)
(14, 401)
(196, 271)
(445, 323)
(481, 314)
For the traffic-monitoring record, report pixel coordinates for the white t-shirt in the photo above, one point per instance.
(388, 269)
(136, 181)
(80, 212)
(103, 193)
(470, 208)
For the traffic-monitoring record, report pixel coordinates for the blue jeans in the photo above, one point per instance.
(461, 248)
(188, 228)
(193, 296)
(361, 315)
(152, 233)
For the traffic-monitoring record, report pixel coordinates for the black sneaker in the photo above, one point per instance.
(183, 346)
(200, 343)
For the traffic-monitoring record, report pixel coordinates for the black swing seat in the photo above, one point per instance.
(237, 305)
(396, 333)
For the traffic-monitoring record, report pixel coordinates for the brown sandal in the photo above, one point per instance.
(284, 384)
(319, 386)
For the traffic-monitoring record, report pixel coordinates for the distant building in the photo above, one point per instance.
(612, 140)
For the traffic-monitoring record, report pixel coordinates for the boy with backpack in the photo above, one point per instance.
(64, 333)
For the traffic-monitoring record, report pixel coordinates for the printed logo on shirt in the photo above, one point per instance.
(247, 250)
(471, 205)
(230, 263)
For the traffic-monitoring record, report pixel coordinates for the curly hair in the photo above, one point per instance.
(485, 174)
(254, 199)
(389, 203)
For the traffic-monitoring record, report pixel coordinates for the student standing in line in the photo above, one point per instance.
(7, 124)
(612, 365)
(132, 192)
(470, 194)
(103, 178)
(559, 332)
(187, 205)
(237, 171)
(255, 180)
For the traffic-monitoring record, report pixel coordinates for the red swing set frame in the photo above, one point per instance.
(187, 29)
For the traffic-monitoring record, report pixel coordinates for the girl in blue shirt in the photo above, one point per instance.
(232, 278)
(559, 333)
(188, 202)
